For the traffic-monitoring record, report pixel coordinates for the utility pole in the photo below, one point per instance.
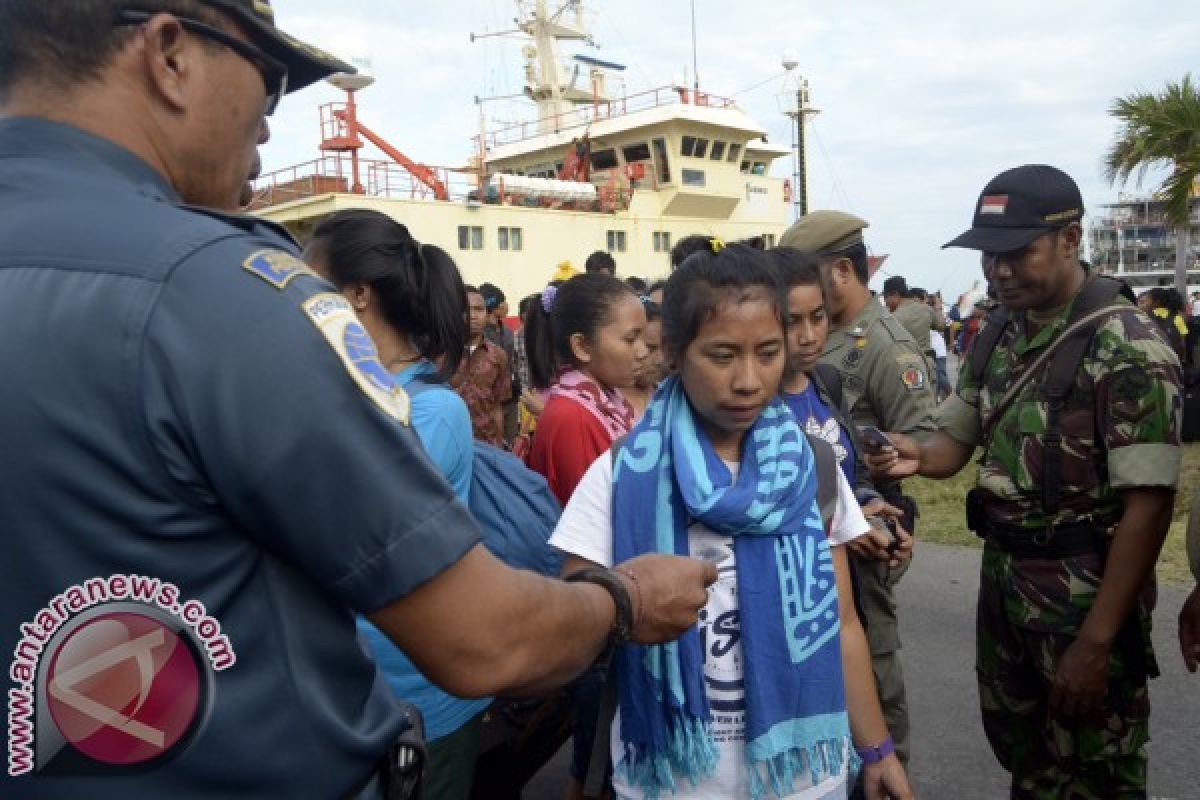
(795, 102)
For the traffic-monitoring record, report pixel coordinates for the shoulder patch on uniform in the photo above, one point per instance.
(852, 357)
(276, 267)
(335, 319)
(914, 378)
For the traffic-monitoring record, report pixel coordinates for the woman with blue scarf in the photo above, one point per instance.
(772, 694)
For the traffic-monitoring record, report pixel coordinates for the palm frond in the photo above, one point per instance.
(1160, 129)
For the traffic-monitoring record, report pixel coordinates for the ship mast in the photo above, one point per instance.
(554, 90)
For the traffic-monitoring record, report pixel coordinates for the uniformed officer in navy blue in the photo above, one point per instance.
(184, 400)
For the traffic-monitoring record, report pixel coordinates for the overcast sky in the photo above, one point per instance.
(922, 102)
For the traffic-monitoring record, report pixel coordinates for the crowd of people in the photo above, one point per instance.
(295, 438)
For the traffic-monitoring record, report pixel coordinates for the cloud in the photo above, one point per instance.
(922, 102)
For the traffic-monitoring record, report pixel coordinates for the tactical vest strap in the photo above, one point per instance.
(1097, 293)
(985, 342)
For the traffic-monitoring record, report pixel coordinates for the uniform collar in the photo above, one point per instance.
(871, 311)
(34, 136)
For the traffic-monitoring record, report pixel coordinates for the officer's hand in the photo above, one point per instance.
(901, 460)
(878, 507)
(1189, 630)
(872, 545)
(1081, 683)
(667, 594)
(886, 780)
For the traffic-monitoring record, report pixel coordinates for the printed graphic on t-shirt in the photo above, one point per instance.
(721, 638)
(828, 431)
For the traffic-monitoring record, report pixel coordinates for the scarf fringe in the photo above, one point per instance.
(820, 759)
(690, 751)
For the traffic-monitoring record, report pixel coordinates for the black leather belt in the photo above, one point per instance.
(1055, 541)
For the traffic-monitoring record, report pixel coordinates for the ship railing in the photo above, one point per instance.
(332, 173)
(585, 115)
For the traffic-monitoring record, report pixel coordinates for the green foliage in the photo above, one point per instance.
(942, 514)
(1159, 129)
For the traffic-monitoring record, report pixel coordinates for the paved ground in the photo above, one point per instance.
(951, 757)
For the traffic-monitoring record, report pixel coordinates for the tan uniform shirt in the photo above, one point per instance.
(917, 319)
(885, 381)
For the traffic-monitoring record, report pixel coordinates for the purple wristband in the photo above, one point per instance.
(873, 755)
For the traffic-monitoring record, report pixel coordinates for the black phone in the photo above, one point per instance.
(874, 438)
(890, 522)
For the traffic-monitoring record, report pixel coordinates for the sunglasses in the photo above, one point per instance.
(274, 72)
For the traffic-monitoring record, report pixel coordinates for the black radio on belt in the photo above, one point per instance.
(975, 517)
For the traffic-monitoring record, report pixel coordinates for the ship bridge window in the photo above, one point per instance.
(616, 241)
(735, 150)
(718, 150)
(636, 152)
(694, 147)
(660, 155)
(693, 177)
(662, 241)
(509, 238)
(604, 159)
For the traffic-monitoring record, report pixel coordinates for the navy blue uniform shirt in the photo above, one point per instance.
(182, 401)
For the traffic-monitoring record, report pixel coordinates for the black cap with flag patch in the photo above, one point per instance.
(1019, 205)
(306, 64)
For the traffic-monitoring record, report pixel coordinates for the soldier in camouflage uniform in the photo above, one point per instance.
(1063, 651)
(885, 384)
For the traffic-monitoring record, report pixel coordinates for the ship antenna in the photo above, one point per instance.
(695, 63)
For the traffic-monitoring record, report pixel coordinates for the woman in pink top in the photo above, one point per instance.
(584, 342)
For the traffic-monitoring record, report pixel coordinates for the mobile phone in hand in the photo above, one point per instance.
(874, 438)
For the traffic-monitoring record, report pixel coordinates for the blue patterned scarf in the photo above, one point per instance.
(667, 475)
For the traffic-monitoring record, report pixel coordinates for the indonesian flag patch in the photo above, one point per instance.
(993, 204)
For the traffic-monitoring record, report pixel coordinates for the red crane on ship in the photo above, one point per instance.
(346, 130)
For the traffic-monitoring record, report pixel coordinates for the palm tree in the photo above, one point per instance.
(1161, 130)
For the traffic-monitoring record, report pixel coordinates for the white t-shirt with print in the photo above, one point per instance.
(585, 530)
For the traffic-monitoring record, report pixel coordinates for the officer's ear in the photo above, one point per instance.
(166, 57)
(841, 271)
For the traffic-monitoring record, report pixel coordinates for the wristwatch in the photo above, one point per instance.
(622, 628)
(873, 755)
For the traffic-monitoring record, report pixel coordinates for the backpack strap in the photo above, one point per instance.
(1098, 294)
(827, 479)
(829, 378)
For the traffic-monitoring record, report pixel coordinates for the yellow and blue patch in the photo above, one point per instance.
(276, 267)
(335, 319)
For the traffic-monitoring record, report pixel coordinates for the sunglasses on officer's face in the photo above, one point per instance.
(274, 72)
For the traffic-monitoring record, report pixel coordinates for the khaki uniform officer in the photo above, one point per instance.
(885, 383)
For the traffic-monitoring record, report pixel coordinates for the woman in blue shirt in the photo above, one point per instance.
(409, 297)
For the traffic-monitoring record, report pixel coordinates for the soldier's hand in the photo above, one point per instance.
(886, 780)
(1081, 682)
(1189, 630)
(667, 593)
(901, 460)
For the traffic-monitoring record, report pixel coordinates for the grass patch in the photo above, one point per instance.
(942, 515)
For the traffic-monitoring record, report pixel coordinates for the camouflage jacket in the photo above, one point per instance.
(1120, 427)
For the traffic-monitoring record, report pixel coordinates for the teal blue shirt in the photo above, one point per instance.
(440, 418)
